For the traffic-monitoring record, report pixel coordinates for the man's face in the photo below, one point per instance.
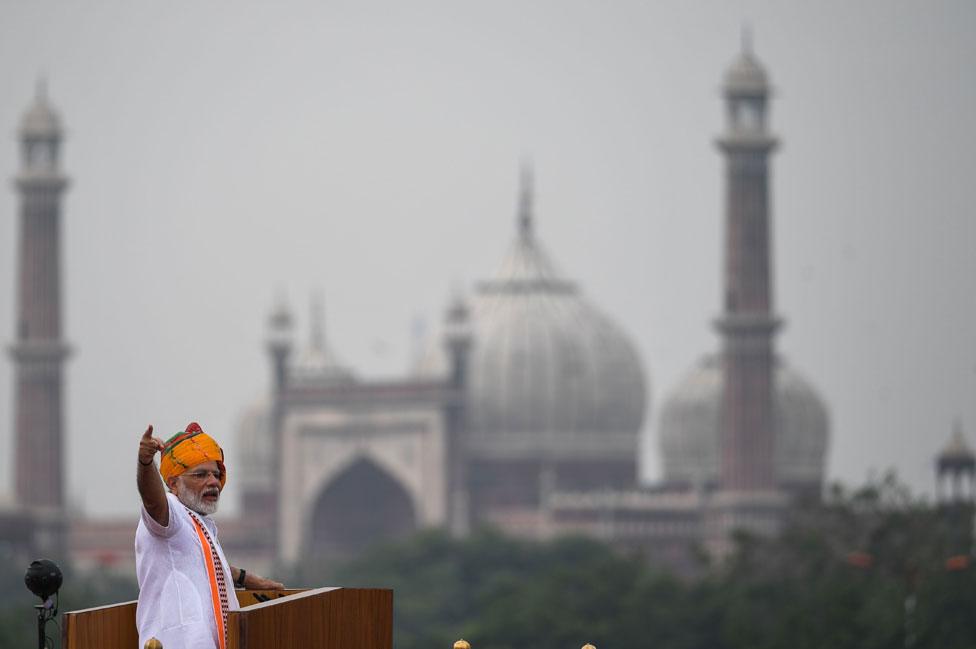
(199, 487)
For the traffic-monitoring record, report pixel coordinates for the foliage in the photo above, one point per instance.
(18, 621)
(865, 569)
(840, 575)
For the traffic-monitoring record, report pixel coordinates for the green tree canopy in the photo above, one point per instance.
(869, 568)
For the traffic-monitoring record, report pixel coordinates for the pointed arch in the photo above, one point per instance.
(361, 506)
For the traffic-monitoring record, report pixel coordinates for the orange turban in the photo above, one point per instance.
(189, 448)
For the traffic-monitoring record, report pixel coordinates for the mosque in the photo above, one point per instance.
(525, 414)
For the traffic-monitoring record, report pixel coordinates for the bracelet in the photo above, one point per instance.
(146, 463)
(240, 578)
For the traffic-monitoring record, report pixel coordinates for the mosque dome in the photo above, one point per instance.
(548, 372)
(40, 120)
(689, 429)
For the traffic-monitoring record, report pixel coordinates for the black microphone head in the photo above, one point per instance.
(43, 578)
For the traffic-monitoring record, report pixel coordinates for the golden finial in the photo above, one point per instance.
(462, 644)
(153, 643)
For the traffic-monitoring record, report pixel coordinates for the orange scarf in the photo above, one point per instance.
(218, 582)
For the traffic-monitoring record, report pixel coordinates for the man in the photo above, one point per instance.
(186, 585)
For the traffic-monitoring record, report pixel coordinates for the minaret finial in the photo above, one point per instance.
(746, 39)
(317, 321)
(525, 199)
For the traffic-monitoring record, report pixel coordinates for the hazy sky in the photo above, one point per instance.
(220, 152)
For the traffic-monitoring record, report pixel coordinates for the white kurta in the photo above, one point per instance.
(175, 605)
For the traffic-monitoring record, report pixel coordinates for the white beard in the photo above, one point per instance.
(194, 501)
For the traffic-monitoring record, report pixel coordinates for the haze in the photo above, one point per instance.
(223, 153)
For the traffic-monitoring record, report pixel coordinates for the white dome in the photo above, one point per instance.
(548, 372)
(689, 428)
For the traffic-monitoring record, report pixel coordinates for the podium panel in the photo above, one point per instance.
(325, 618)
(105, 627)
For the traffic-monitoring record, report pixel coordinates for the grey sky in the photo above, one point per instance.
(221, 151)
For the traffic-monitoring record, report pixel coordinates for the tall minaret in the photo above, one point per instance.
(748, 323)
(279, 344)
(39, 351)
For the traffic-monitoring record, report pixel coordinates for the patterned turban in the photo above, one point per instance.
(189, 448)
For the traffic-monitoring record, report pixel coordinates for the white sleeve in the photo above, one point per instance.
(175, 520)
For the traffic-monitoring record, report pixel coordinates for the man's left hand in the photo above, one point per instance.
(256, 582)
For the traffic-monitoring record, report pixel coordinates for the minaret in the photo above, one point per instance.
(458, 339)
(317, 323)
(39, 351)
(748, 323)
(525, 200)
(279, 345)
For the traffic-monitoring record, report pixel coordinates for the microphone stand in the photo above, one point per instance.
(47, 610)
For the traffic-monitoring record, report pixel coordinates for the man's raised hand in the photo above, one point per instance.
(147, 479)
(148, 447)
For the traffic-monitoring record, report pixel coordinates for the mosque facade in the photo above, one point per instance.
(527, 414)
(531, 390)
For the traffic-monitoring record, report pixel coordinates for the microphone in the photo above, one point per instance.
(43, 578)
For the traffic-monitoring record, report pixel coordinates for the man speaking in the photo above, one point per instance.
(186, 585)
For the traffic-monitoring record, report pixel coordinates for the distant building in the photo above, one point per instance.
(743, 435)
(743, 420)
(955, 471)
(955, 492)
(531, 391)
(527, 415)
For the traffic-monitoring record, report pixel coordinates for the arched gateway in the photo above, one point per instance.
(361, 506)
(358, 476)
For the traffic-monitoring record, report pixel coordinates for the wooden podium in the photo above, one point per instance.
(323, 618)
